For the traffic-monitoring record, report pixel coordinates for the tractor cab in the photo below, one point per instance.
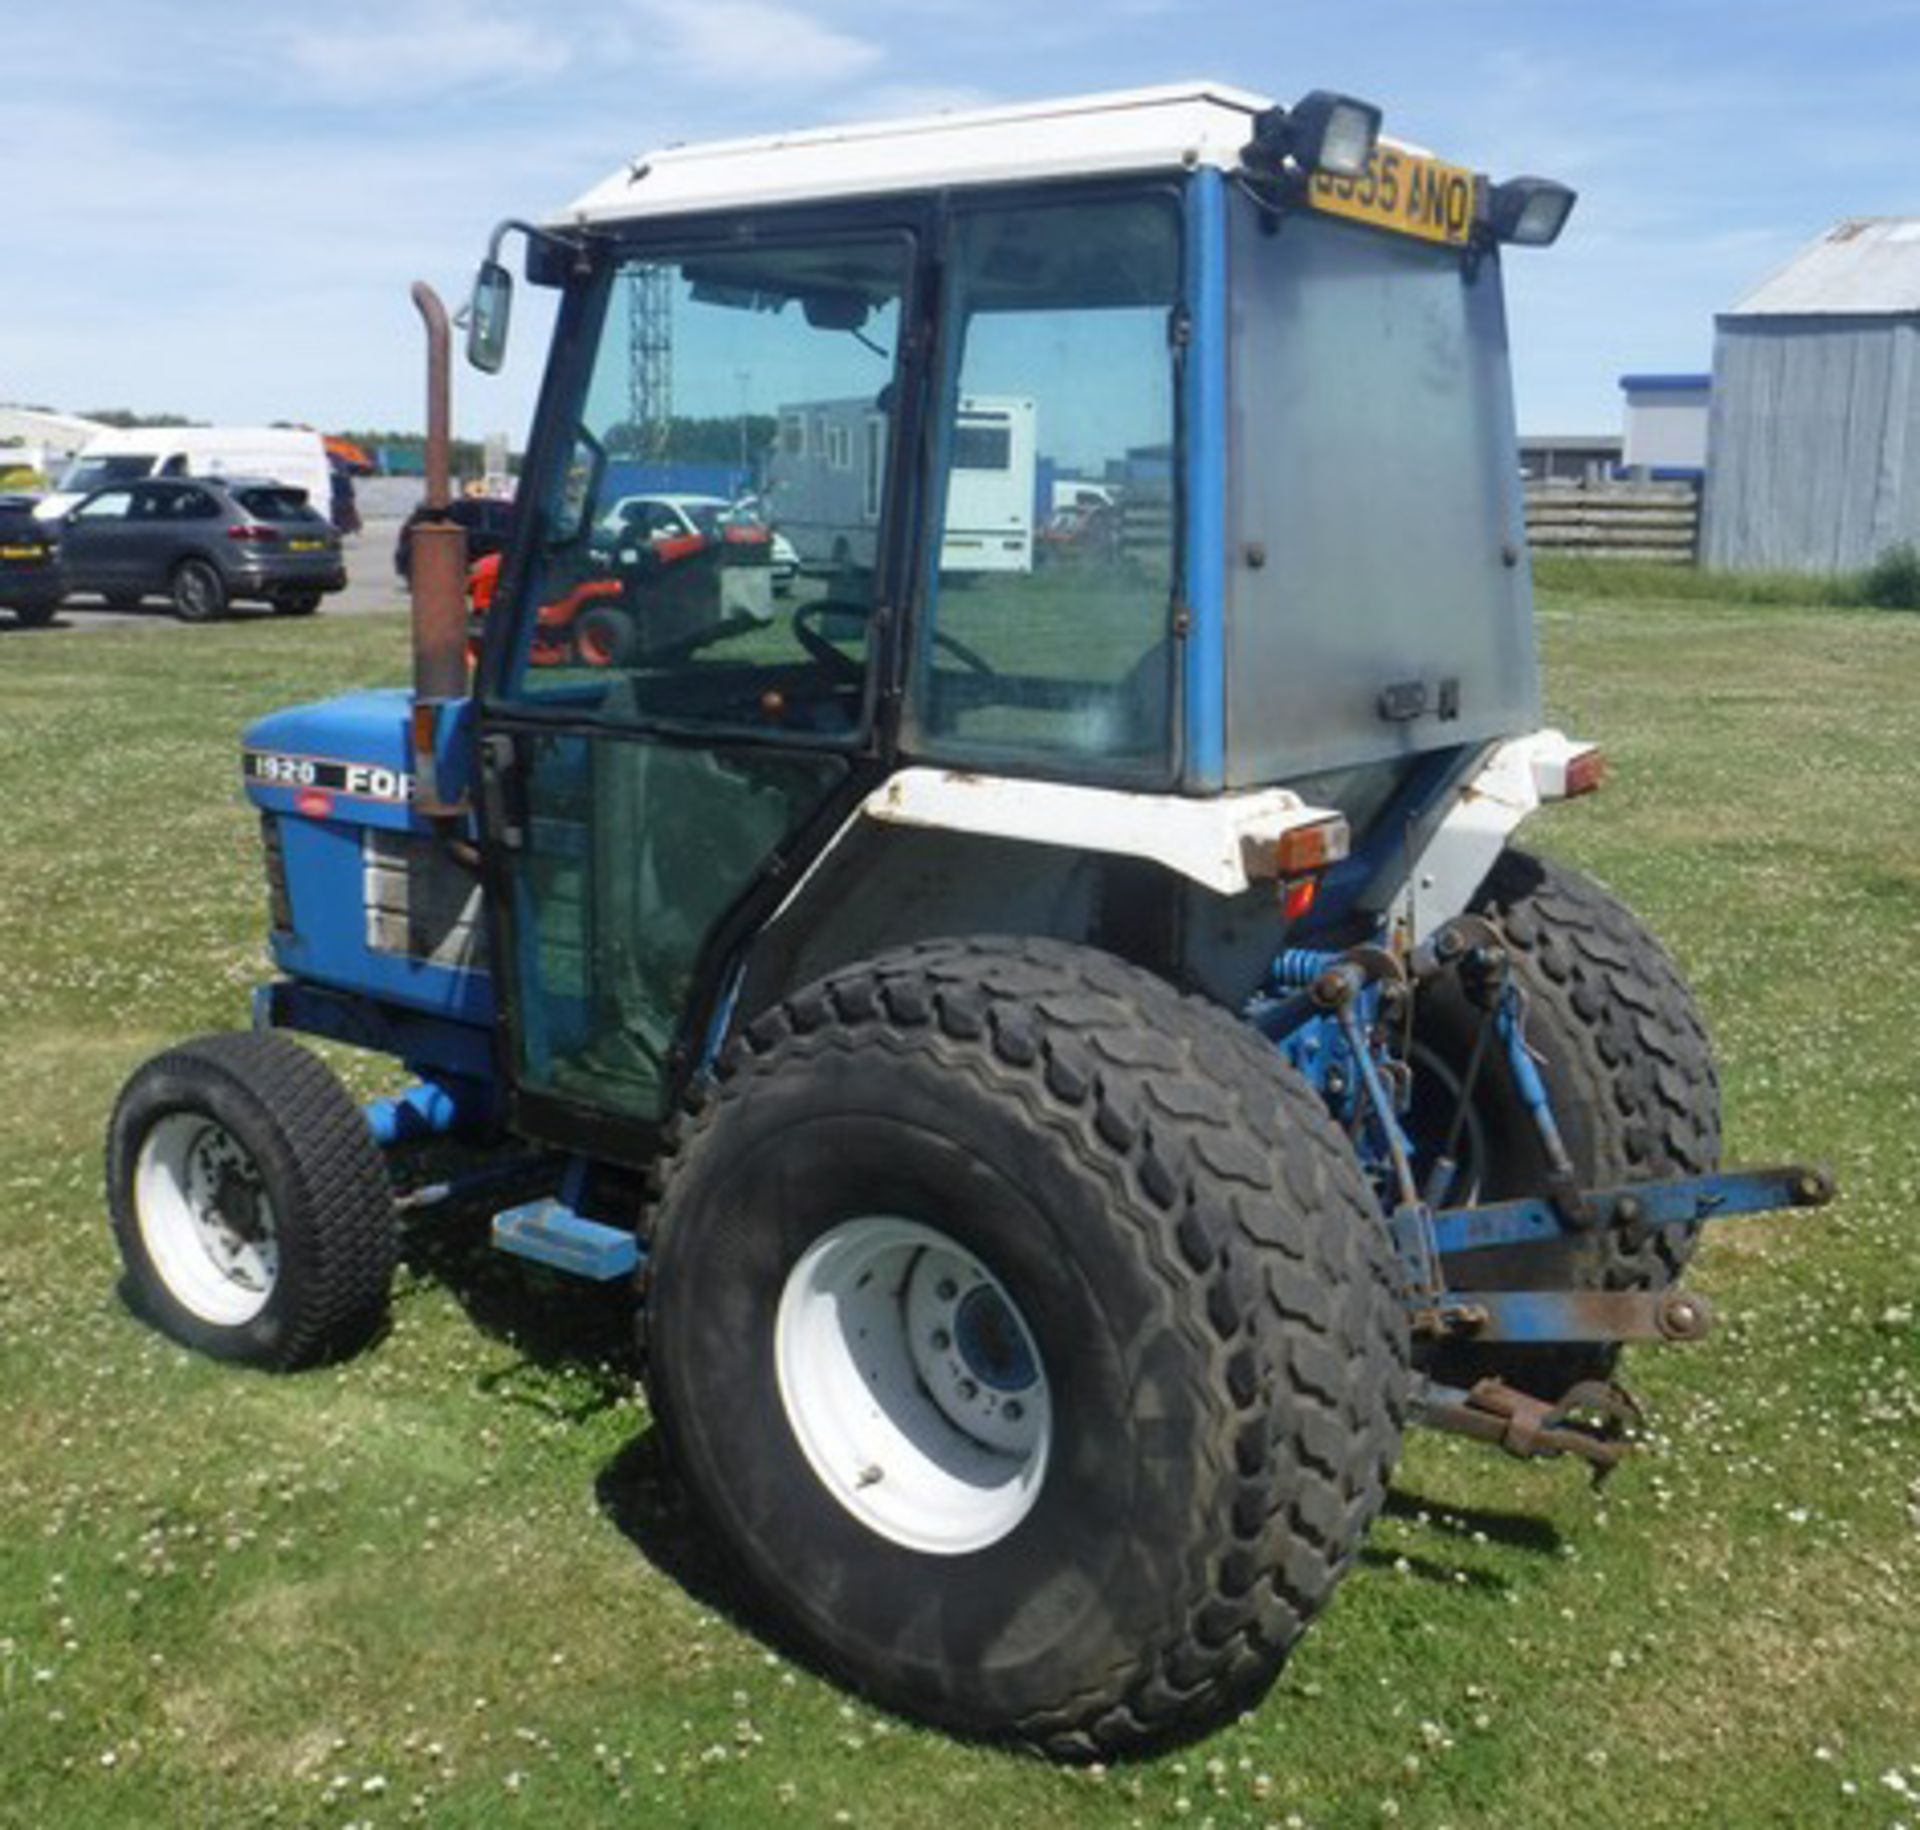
(1288, 377)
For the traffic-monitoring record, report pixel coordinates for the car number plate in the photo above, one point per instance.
(305, 546)
(23, 552)
(1406, 192)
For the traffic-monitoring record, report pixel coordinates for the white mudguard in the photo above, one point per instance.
(1520, 776)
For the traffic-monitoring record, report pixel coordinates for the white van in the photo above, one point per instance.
(124, 455)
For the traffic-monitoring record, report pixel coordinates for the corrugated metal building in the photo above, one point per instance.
(1814, 447)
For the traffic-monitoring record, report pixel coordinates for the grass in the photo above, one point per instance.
(446, 1582)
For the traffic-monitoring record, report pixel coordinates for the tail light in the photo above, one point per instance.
(253, 533)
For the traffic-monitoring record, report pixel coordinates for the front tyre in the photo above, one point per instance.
(250, 1202)
(1029, 1334)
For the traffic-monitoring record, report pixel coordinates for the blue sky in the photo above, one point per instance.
(216, 207)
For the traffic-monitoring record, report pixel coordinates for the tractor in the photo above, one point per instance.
(1068, 1059)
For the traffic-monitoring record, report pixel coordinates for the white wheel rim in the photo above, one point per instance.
(204, 1216)
(913, 1385)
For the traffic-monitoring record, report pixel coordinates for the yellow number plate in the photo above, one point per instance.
(305, 546)
(1405, 192)
(23, 552)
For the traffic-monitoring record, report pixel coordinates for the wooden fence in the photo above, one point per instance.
(1659, 521)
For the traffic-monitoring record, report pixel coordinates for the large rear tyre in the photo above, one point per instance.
(1626, 1060)
(1030, 1335)
(250, 1202)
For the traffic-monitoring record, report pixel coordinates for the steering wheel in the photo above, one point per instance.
(810, 637)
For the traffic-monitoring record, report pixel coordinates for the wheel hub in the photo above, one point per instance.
(913, 1385)
(203, 1209)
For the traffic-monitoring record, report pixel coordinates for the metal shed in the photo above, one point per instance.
(1814, 445)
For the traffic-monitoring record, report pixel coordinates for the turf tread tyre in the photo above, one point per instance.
(338, 1231)
(1229, 1187)
(1627, 1061)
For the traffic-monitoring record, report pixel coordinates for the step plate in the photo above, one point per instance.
(550, 1233)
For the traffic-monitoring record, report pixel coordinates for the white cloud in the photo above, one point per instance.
(748, 44)
(421, 50)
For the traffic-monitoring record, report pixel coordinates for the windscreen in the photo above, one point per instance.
(87, 473)
(732, 394)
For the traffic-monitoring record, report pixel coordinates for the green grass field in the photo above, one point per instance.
(446, 1582)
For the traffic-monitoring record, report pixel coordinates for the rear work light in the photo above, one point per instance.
(1322, 132)
(1529, 212)
(253, 533)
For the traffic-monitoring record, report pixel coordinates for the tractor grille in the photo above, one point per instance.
(279, 903)
(421, 905)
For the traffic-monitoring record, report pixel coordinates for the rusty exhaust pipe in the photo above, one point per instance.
(438, 566)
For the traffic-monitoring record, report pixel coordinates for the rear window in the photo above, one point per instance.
(276, 504)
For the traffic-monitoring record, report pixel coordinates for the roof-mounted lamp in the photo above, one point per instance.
(1322, 132)
(1529, 212)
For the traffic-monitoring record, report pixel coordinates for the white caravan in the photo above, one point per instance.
(120, 455)
(826, 475)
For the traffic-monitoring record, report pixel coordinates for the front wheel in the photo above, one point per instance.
(249, 1201)
(199, 592)
(1029, 1334)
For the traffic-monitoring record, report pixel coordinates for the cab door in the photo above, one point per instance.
(661, 751)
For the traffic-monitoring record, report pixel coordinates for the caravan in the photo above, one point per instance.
(827, 472)
(124, 455)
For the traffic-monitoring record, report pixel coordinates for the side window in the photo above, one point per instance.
(195, 505)
(151, 504)
(1048, 640)
(108, 505)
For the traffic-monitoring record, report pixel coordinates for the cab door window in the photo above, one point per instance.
(1047, 642)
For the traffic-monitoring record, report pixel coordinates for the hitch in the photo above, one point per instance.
(1589, 1421)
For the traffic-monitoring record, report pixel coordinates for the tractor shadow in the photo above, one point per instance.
(574, 1339)
(1445, 1525)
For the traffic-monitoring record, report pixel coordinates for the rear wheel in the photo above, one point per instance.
(1625, 1057)
(605, 637)
(297, 603)
(250, 1202)
(36, 616)
(1029, 1334)
(199, 592)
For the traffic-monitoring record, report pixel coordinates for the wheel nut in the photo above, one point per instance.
(968, 1391)
(942, 1340)
(946, 1289)
(1013, 1410)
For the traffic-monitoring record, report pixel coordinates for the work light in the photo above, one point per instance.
(1530, 211)
(1322, 132)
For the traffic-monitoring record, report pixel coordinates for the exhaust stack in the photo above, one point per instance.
(438, 568)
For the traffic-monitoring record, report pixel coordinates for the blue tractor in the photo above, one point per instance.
(1068, 1058)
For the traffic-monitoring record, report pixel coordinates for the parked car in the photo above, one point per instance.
(203, 542)
(31, 577)
(674, 518)
(487, 519)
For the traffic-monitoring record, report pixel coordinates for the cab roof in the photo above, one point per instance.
(1126, 130)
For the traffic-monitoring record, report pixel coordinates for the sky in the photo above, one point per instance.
(215, 207)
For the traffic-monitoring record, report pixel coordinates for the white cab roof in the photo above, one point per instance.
(1127, 130)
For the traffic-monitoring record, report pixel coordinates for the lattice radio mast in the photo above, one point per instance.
(650, 358)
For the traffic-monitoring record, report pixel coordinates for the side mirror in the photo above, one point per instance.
(488, 315)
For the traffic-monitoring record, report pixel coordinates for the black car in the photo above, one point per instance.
(31, 578)
(203, 542)
(487, 519)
